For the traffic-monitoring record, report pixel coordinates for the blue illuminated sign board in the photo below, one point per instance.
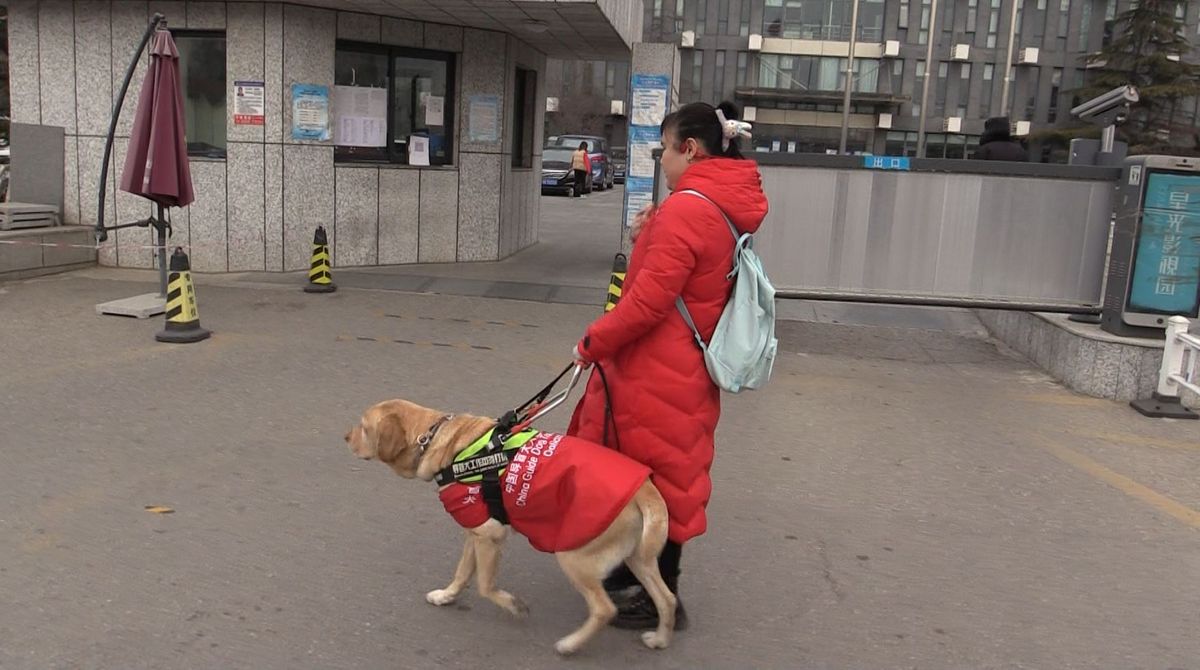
(1166, 274)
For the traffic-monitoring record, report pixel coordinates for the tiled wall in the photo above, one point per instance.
(257, 209)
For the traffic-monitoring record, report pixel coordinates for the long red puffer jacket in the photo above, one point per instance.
(665, 407)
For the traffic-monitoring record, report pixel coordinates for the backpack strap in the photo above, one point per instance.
(740, 241)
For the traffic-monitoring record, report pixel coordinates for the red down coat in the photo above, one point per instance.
(559, 492)
(665, 407)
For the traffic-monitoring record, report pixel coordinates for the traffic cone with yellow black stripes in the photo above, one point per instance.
(617, 282)
(183, 318)
(320, 272)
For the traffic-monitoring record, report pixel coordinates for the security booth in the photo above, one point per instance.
(1154, 270)
(410, 130)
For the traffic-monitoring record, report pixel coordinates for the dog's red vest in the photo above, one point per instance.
(560, 492)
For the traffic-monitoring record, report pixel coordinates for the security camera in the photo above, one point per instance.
(1109, 108)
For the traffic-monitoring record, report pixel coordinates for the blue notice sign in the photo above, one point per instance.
(1166, 272)
(885, 162)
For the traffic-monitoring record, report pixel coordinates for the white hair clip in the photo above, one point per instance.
(732, 129)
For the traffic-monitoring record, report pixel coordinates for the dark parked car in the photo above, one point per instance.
(557, 176)
(602, 171)
(618, 162)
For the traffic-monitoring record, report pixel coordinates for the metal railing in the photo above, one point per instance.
(1181, 353)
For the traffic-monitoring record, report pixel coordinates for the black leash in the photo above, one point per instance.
(608, 410)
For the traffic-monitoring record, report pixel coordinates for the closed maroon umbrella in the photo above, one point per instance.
(156, 166)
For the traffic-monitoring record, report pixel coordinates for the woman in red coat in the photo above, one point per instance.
(664, 406)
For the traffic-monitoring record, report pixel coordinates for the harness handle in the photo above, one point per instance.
(540, 405)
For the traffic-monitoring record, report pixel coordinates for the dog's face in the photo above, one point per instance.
(388, 432)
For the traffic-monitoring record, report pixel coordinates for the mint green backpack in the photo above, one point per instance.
(742, 351)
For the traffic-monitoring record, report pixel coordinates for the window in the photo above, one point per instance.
(1085, 40)
(985, 96)
(678, 16)
(722, 17)
(897, 77)
(202, 79)
(744, 25)
(923, 34)
(918, 83)
(993, 24)
(903, 22)
(943, 74)
(418, 77)
(947, 21)
(743, 59)
(821, 19)
(870, 20)
(719, 76)
(701, 17)
(972, 16)
(1055, 90)
(697, 73)
(610, 82)
(524, 112)
(768, 75)
(1064, 16)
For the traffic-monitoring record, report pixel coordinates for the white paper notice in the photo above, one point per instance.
(361, 131)
(649, 106)
(435, 110)
(418, 150)
(641, 160)
(360, 116)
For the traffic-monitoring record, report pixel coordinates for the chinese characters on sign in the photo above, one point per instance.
(310, 112)
(1167, 272)
(483, 118)
(248, 103)
(649, 105)
(886, 162)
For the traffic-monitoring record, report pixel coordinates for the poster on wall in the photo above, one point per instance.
(483, 118)
(310, 112)
(359, 116)
(649, 99)
(648, 95)
(249, 103)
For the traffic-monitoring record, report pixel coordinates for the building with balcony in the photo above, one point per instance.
(785, 61)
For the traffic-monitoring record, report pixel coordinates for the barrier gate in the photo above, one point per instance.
(935, 232)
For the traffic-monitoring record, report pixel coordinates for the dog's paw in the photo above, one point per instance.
(652, 639)
(566, 646)
(517, 607)
(440, 597)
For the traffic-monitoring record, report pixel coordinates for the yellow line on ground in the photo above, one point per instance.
(1126, 439)
(1129, 487)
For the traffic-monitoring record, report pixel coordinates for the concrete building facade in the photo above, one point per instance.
(260, 190)
(785, 60)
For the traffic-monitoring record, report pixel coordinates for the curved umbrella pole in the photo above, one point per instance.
(101, 232)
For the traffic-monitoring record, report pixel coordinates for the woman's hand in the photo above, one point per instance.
(640, 220)
(579, 359)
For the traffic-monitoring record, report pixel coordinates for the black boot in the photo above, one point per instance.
(639, 613)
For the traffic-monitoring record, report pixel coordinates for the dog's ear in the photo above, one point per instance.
(391, 439)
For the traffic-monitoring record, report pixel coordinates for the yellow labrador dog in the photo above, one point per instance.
(417, 442)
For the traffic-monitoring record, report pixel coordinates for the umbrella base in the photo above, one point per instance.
(320, 288)
(139, 306)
